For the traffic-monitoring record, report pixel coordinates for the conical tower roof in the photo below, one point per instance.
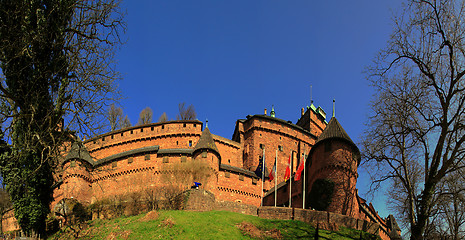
(78, 151)
(334, 130)
(206, 142)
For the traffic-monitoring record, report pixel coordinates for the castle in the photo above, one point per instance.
(134, 159)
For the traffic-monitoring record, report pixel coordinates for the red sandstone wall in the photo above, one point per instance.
(338, 165)
(312, 122)
(9, 222)
(273, 134)
(77, 182)
(238, 188)
(175, 134)
(231, 152)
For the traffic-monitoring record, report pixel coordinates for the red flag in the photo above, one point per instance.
(287, 175)
(273, 171)
(300, 169)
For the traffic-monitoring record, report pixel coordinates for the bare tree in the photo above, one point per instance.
(145, 116)
(450, 207)
(151, 196)
(163, 118)
(186, 113)
(125, 122)
(416, 135)
(115, 114)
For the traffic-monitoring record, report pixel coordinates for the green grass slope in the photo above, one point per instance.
(201, 225)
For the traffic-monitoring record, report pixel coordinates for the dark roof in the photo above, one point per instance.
(78, 151)
(238, 170)
(206, 142)
(334, 130)
(126, 154)
(187, 151)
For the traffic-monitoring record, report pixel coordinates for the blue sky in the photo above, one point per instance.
(234, 58)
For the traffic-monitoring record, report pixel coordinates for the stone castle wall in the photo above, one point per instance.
(114, 170)
(322, 219)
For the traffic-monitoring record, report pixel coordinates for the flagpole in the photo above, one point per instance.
(304, 193)
(263, 170)
(275, 178)
(290, 181)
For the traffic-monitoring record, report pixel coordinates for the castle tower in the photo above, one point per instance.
(76, 174)
(206, 151)
(334, 158)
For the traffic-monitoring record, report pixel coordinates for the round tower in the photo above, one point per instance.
(208, 157)
(76, 174)
(332, 171)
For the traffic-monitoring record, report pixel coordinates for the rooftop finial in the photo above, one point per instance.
(272, 113)
(334, 108)
(311, 96)
(206, 123)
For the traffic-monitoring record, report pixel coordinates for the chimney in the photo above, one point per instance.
(302, 112)
(265, 111)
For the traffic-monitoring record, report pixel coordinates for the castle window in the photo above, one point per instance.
(162, 126)
(184, 125)
(147, 156)
(121, 134)
(141, 130)
(227, 174)
(177, 143)
(280, 148)
(131, 131)
(204, 154)
(111, 136)
(190, 143)
(327, 146)
(195, 125)
(165, 160)
(241, 177)
(130, 160)
(229, 160)
(151, 128)
(262, 146)
(103, 139)
(183, 158)
(114, 164)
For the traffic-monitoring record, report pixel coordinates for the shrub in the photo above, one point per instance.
(321, 194)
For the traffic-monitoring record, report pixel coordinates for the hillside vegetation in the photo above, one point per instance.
(200, 225)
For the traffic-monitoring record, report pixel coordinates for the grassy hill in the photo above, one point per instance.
(200, 225)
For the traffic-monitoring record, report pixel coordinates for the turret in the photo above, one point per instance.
(333, 161)
(76, 174)
(206, 152)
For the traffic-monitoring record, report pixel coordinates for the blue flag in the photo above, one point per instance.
(260, 171)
